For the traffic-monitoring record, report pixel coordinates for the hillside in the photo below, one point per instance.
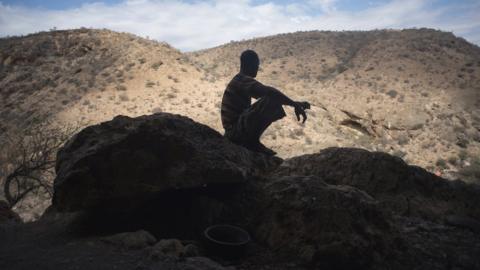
(411, 93)
(87, 76)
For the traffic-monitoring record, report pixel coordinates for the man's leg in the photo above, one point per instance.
(261, 115)
(256, 119)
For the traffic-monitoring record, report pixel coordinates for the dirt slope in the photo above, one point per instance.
(413, 93)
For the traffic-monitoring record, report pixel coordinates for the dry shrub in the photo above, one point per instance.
(28, 159)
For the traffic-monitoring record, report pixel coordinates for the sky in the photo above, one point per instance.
(193, 24)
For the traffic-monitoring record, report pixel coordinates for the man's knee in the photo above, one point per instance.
(271, 107)
(275, 108)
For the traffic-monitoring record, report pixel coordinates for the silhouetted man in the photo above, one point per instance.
(244, 122)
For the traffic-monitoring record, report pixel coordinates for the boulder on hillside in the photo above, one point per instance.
(121, 163)
(333, 226)
(403, 189)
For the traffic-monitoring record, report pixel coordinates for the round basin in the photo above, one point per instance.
(226, 241)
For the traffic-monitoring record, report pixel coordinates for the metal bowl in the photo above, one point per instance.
(226, 241)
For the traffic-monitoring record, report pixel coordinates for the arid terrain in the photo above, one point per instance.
(412, 93)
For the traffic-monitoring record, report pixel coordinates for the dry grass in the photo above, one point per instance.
(415, 91)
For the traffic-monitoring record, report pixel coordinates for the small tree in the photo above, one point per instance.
(28, 161)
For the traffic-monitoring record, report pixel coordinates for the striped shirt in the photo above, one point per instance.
(237, 97)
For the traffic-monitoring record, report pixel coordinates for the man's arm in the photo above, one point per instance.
(281, 97)
(258, 90)
(300, 107)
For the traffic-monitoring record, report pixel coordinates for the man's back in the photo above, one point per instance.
(237, 98)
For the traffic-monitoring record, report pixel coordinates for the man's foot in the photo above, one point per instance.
(259, 147)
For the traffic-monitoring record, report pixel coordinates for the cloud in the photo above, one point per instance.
(202, 24)
(327, 6)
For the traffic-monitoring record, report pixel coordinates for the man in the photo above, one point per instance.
(244, 123)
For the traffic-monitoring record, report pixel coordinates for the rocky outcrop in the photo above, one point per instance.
(123, 162)
(341, 208)
(400, 188)
(332, 226)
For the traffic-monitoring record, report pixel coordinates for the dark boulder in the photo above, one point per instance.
(341, 208)
(332, 226)
(121, 163)
(400, 188)
(7, 215)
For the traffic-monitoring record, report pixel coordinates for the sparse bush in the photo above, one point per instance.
(441, 163)
(149, 84)
(472, 171)
(121, 87)
(156, 65)
(171, 95)
(453, 160)
(392, 93)
(157, 110)
(403, 139)
(124, 97)
(28, 160)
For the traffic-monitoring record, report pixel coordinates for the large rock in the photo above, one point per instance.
(7, 215)
(333, 226)
(123, 162)
(402, 189)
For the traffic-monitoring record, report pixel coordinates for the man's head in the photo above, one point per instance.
(249, 63)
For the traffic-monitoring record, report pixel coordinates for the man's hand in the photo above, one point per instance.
(300, 108)
(305, 105)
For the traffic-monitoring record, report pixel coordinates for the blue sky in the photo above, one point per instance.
(193, 24)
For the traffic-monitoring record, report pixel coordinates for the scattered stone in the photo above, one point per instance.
(167, 247)
(203, 263)
(406, 119)
(131, 240)
(191, 250)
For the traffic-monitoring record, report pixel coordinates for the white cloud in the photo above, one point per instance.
(197, 25)
(327, 6)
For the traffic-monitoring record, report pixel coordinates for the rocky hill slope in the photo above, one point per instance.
(412, 93)
(88, 76)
